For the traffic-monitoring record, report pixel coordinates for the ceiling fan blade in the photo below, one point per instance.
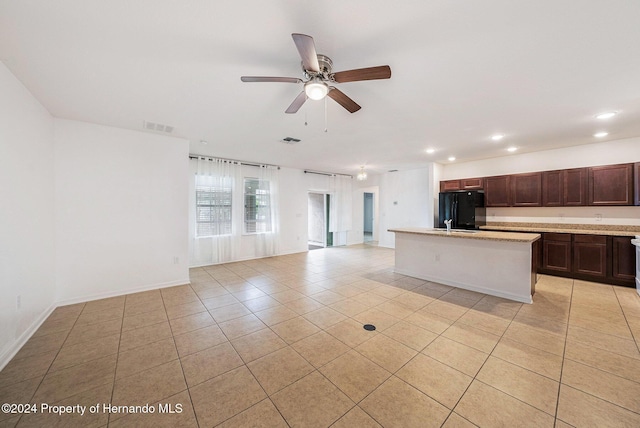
(370, 73)
(307, 49)
(270, 79)
(343, 100)
(297, 103)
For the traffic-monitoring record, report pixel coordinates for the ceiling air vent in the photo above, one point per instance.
(290, 140)
(167, 129)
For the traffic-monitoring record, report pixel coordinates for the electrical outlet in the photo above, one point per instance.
(437, 257)
(176, 260)
(561, 216)
(18, 302)
(598, 217)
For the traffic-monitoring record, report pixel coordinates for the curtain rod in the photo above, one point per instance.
(330, 174)
(192, 156)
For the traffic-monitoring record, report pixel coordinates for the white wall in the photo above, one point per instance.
(121, 210)
(406, 200)
(27, 228)
(294, 188)
(612, 152)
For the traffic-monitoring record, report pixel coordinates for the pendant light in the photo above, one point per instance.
(362, 175)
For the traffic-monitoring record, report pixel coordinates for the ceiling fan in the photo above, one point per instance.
(318, 76)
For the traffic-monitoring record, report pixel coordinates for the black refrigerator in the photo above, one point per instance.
(465, 208)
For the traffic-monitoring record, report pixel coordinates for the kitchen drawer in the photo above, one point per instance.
(590, 239)
(562, 237)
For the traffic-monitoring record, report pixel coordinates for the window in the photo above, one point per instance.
(213, 205)
(257, 206)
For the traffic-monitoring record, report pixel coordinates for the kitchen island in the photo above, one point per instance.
(501, 264)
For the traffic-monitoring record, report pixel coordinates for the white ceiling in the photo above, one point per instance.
(535, 71)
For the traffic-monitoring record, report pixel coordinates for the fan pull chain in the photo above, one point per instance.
(326, 126)
(305, 117)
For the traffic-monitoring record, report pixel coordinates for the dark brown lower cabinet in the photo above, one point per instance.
(623, 259)
(590, 255)
(556, 252)
(608, 259)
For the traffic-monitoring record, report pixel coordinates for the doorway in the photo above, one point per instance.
(318, 221)
(368, 217)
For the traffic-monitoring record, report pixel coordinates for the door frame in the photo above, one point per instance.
(375, 190)
(325, 210)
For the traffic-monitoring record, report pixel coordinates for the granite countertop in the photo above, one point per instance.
(581, 229)
(470, 234)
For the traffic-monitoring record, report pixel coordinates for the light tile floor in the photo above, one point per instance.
(279, 342)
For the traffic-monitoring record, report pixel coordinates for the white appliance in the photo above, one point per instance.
(636, 242)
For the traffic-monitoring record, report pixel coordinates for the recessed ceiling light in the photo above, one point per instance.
(431, 151)
(203, 142)
(600, 134)
(606, 115)
(452, 158)
(497, 137)
(512, 149)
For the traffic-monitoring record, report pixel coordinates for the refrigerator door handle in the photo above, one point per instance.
(455, 213)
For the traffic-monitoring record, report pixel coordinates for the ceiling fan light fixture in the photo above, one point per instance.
(316, 89)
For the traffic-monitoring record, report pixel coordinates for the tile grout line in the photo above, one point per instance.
(51, 364)
(593, 367)
(193, 407)
(624, 314)
(115, 369)
(267, 396)
(483, 364)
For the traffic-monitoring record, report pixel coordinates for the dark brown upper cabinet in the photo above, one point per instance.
(552, 188)
(575, 187)
(462, 184)
(597, 186)
(636, 167)
(567, 187)
(526, 190)
(611, 185)
(497, 191)
(449, 185)
(471, 184)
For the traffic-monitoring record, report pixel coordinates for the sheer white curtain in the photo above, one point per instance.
(267, 242)
(340, 207)
(213, 207)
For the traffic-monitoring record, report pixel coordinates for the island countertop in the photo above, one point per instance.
(470, 234)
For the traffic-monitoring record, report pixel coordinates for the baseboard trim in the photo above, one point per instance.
(25, 336)
(106, 295)
(286, 253)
